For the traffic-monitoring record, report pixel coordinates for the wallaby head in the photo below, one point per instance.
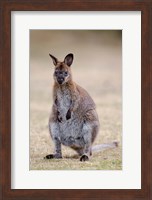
(62, 73)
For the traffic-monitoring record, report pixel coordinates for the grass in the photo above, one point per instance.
(109, 159)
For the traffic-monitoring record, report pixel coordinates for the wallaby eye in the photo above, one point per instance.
(56, 72)
(66, 73)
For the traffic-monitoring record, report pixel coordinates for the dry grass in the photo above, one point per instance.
(98, 70)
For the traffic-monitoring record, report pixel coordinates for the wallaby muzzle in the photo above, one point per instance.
(60, 80)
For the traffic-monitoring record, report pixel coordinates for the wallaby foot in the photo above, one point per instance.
(51, 156)
(84, 158)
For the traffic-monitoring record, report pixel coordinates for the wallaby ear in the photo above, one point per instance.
(55, 60)
(68, 59)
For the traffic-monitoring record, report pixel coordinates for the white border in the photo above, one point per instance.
(130, 176)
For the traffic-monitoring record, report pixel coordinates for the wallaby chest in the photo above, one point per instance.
(63, 101)
(70, 129)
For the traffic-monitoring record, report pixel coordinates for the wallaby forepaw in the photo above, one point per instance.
(51, 156)
(68, 115)
(84, 158)
(59, 119)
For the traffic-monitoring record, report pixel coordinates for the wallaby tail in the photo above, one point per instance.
(101, 147)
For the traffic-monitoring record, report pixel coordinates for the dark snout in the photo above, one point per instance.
(60, 80)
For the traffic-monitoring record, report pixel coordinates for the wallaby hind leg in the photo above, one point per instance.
(86, 153)
(89, 132)
(87, 137)
(54, 132)
(80, 151)
(57, 150)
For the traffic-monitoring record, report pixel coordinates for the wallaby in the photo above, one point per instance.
(73, 121)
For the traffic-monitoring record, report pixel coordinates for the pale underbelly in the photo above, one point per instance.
(71, 132)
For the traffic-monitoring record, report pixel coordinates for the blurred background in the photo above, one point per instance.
(97, 67)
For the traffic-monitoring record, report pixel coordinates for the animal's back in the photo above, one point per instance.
(86, 102)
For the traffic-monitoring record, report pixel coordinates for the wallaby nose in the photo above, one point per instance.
(60, 80)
